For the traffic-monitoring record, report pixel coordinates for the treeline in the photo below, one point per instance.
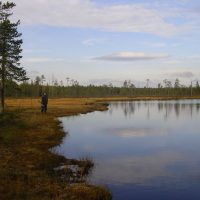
(35, 89)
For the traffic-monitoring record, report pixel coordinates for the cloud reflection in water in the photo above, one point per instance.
(135, 132)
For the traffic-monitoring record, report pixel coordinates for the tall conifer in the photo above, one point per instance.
(10, 50)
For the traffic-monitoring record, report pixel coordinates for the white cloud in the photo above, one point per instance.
(92, 41)
(41, 60)
(183, 74)
(86, 14)
(196, 56)
(131, 56)
(155, 44)
(36, 50)
(173, 61)
(160, 44)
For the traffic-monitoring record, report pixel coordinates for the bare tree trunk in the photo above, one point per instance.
(1, 108)
(2, 100)
(3, 89)
(3, 65)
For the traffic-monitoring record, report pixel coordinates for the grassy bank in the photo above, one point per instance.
(27, 165)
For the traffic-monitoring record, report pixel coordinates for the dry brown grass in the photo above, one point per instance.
(65, 103)
(26, 136)
(26, 164)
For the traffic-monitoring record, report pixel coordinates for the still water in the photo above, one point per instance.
(142, 150)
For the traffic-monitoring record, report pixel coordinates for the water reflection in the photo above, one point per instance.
(136, 169)
(135, 132)
(142, 150)
(166, 107)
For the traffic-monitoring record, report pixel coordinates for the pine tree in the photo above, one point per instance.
(197, 84)
(177, 83)
(10, 50)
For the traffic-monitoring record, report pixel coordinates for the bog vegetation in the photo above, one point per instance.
(72, 88)
(28, 169)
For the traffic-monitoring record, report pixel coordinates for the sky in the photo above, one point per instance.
(109, 41)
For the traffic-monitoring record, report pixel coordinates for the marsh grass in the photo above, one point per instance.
(26, 164)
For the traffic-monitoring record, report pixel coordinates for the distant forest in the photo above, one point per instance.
(74, 89)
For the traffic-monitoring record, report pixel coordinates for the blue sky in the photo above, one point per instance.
(100, 41)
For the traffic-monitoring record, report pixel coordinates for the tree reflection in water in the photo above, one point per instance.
(164, 107)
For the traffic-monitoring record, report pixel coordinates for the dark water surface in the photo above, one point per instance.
(142, 150)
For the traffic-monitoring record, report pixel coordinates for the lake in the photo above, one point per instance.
(141, 149)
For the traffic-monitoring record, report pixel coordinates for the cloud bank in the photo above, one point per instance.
(93, 41)
(184, 74)
(128, 17)
(131, 56)
(41, 60)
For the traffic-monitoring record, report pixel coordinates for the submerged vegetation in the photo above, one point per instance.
(28, 169)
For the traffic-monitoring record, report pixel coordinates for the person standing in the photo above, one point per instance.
(44, 103)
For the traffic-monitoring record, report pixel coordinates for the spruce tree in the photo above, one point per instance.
(10, 50)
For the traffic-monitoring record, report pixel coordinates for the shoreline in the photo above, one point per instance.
(30, 135)
(26, 139)
(161, 98)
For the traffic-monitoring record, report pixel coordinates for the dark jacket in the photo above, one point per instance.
(44, 99)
